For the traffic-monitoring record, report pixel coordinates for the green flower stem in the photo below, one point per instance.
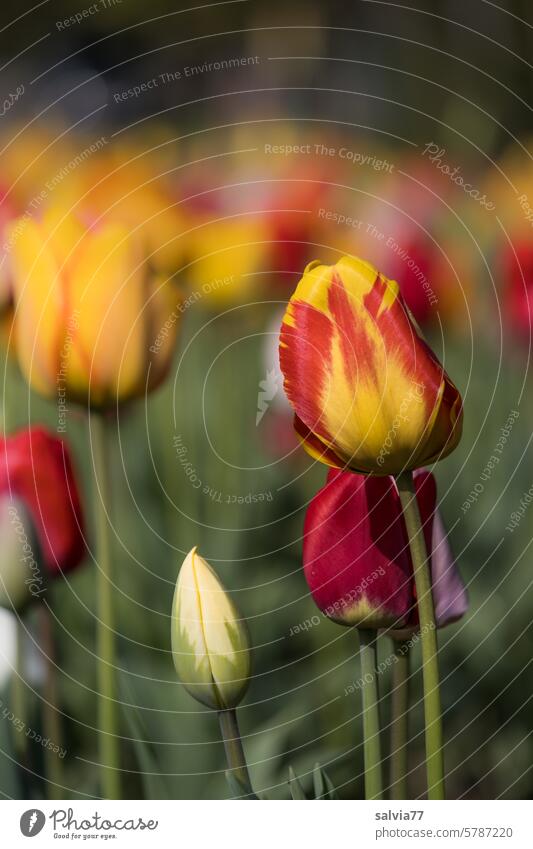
(107, 717)
(19, 695)
(231, 736)
(399, 720)
(428, 632)
(372, 747)
(50, 712)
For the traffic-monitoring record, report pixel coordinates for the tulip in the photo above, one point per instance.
(130, 184)
(356, 554)
(96, 326)
(414, 270)
(359, 568)
(291, 233)
(40, 515)
(211, 652)
(9, 212)
(226, 255)
(92, 321)
(368, 393)
(41, 529)
(210, 643)
(517, 270)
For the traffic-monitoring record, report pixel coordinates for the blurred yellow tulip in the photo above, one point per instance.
(119, 183)
(135, 194)
(226, 254)
(93, 323)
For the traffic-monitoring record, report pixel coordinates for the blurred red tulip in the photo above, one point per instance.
(356, 554)
(292, 227)
(414, 269)
(36, 470)
(517, 271)
(290, 235)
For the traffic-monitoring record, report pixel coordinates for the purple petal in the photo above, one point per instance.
(449, 592)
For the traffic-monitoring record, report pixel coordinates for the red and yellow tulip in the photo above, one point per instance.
(368, 393)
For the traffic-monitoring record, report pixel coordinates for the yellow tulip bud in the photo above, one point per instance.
(210, 642)
(93, 322)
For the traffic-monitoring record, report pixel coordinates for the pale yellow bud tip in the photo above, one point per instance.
(210, 642)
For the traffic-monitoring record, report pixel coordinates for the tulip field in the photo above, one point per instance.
(265, 337)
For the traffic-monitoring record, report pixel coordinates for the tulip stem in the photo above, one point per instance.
(108, 740)
(231, 736)
(399, 720)
(371, 735)
(19, 695)
(50, 706)
(428, 632)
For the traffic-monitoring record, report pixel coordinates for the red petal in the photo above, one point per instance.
(36, 467)
(356, 561)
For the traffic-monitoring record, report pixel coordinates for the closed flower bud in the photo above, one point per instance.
(355, 559)
(368, 393)
(210, 642)
(356, 554)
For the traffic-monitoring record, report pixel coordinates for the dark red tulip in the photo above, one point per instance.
(36, 470)
(356, 554)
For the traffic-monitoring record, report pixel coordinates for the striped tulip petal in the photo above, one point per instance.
(368, 393)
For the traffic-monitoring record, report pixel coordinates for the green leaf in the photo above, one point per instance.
(323, 784)
(318, 782)
(294, 786)
(332, 793)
